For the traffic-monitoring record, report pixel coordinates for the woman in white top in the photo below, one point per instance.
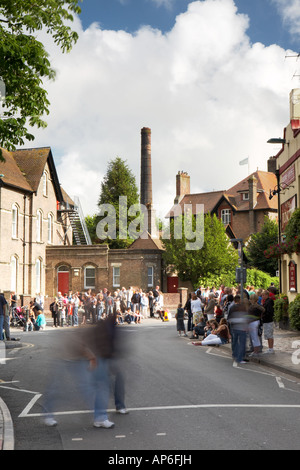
(196, 309)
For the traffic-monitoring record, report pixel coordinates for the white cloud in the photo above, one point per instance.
(210, 97)
(290, 12)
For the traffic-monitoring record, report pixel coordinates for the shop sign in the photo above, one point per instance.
(292, 276)
(287, 208)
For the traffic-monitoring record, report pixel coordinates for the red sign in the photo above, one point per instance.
(288, 176)
(287, 208)
(295, 124)
(292, 276)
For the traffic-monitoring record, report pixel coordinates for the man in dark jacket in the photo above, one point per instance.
(268, 320)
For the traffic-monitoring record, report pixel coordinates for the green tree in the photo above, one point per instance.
(118, 181)
(258, 243)
(91, 223)
(24, 62)
(217, 259)
(292, 229)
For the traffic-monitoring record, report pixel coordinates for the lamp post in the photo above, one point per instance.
(277, 191)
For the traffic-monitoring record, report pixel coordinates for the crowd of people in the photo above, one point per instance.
(230, 315)
(127, 305)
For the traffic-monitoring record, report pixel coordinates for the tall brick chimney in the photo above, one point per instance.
(146, 169)
(146, 178)
(182, 186)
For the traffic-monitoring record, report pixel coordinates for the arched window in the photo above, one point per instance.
(38, 275)
(50, 228)
(45, 183)
(14, 273)
(39, 219)
(15, 221)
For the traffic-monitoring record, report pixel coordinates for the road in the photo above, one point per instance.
(180, 398)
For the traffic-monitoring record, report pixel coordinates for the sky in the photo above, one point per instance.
(211, 78)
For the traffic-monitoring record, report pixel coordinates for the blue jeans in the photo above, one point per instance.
(1, 327)
(75, 316)
(238, 344)
(101, 386)
(119, 384)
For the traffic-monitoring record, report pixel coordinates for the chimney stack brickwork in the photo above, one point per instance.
(146, 179)
(182, 185)
(146, 169)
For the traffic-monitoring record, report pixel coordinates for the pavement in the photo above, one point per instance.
(286, 360)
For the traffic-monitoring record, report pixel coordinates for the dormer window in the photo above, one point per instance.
(245, 196)
(225, 216)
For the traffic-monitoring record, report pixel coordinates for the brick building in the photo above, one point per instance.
(78, 268)
(288, 171)
(35, 212)
(241, 208)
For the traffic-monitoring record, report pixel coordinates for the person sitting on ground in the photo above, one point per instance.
(220, 335)
(129, 318)
(40, 322)
(137, 316)
(119, 317)
(199, 328)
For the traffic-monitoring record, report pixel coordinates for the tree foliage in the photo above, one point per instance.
(258, 243)
(118, 181)
(217, 259)
(24, 62)
(292, 229)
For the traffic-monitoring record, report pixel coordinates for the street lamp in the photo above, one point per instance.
(276, 140)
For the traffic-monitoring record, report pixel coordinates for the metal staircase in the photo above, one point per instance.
(80, 232)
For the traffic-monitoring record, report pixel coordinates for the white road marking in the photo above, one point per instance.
(280, 383)
(26, 414)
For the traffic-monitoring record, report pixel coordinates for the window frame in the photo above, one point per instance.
(150, 276)
(226, 216)
(14, 221)
(116, 277)
(39, 224)
(86, 286)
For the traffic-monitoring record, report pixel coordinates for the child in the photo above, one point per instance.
(180, 320)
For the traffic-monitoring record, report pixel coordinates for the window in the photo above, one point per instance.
(39, 219)
(50, 228)
(225, 216)
(150, 276)
(45, 183)
(116, 276)
(13, 273)
(245, 196)
(38, 275)
(15, 220)
(89, 277)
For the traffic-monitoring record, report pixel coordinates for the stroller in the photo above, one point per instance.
(17, 319)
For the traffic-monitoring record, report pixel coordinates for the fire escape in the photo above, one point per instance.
(75, 220)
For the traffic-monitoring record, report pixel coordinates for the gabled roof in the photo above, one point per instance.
(265, 182)
(212, 200)
(149, 243)
(24, 169)
(13, 176)
(209, 200)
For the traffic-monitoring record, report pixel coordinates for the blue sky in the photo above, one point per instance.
(266, 23)
(211, 78)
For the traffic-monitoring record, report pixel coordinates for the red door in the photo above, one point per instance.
(63, 282)
(172, 285)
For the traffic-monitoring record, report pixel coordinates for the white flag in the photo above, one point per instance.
(244, 162)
